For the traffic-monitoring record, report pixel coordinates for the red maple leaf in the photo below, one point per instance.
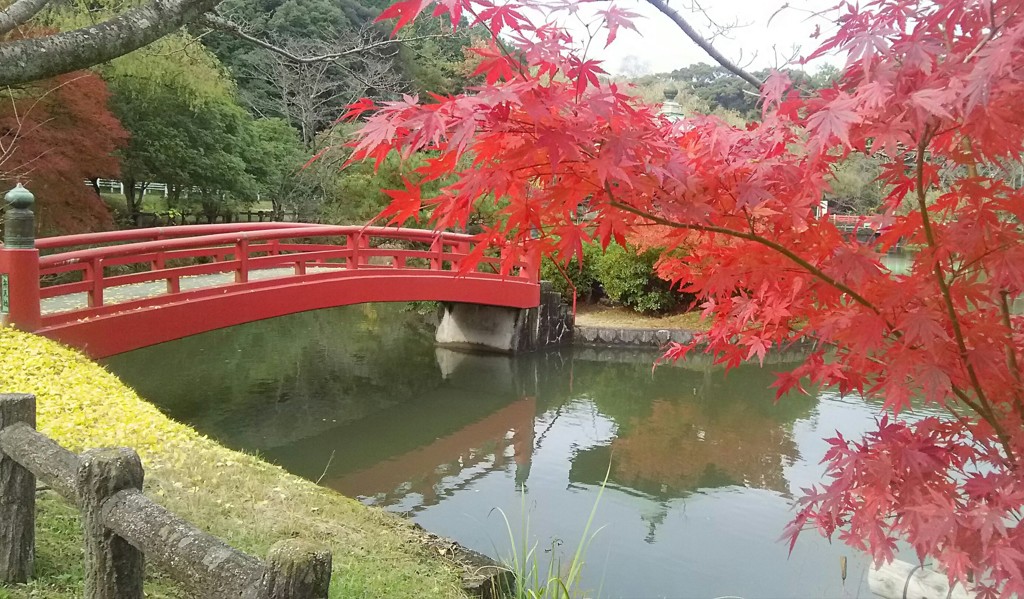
(616, 17)
(405, 12)
(833, 120)
(405, 204)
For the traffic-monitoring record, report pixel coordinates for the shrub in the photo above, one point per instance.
(583, 278)
(629, 279)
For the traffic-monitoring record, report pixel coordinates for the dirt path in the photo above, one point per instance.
(616, 317)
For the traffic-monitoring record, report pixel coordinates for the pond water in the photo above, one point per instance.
(702, 466)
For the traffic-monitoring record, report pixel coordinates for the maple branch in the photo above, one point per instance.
(19, 12)
(705, 45)
(954, 318)
(814, 270)
(1011, 353)
(226, 26)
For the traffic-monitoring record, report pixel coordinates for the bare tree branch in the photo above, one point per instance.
(19, 12)
(692, 33)
(32, 59)
(222, 24)
(310, 95)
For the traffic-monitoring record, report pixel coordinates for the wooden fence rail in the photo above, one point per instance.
(121, 525)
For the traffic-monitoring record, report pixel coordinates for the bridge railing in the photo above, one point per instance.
(173, 255)
(122, 526)
(849, 221)
(66, 242)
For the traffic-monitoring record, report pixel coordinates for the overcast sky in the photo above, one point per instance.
(754, 42)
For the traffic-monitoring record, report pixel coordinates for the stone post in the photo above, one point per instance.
(296, 569)
(17, 497)
(113, 568)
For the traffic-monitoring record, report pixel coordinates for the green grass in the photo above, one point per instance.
(238, 497)
(59, 566)
(150, 202)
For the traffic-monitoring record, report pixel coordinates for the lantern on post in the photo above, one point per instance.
(19, 263)
(670, 108)
(19, 221)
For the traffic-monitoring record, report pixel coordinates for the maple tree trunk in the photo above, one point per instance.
(32, 59)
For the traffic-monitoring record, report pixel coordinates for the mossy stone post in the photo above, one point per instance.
(17, 496)
(296, 569)
(113, 568)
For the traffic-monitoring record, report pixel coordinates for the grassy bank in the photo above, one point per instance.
(248, 502)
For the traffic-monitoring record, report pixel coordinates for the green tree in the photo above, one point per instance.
(189, 131)
(856, 188)
(719, 88)
(275, 161)
(207, 153)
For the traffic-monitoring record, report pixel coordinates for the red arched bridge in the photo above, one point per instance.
(113, 292)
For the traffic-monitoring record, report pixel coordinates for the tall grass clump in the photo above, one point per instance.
(556, 581)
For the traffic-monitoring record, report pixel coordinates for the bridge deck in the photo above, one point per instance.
(122, 294)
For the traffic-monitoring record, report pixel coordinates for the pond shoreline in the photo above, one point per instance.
(601, 336)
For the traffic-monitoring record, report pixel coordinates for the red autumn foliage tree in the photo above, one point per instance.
(934, 90)
(55, 135)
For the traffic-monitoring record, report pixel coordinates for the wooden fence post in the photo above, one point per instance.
(296, 569)
(113, 568)
(17, 497)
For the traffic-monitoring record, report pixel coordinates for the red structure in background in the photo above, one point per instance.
(305, 267)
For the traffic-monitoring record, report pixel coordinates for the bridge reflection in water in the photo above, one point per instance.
(480, 420)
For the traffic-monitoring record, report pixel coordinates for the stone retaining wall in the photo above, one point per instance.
(653, 338)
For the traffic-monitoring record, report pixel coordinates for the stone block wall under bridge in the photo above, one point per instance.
(507, 330)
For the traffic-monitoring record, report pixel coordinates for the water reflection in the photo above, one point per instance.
(271, 383)
(702, 466)
(476, 421)
(679, 443)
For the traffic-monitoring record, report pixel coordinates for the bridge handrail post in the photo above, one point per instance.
(94, 270)
(460, 250)
(19, 263)
(358, 242)
(242, 255)
(17, 497)
(437, 253)
(530, 270)
(350, 244)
